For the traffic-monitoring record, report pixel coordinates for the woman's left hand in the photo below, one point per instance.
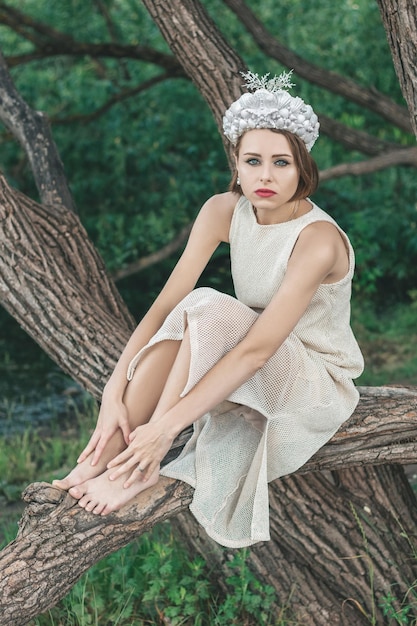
(148, 446)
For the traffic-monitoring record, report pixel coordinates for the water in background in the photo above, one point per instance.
(33, 389)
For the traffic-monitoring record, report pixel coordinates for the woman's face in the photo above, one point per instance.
(268, 174)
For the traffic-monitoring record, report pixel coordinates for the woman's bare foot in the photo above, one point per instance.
(85, 471)
(101, 495)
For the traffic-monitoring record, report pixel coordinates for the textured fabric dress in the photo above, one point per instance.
(288, 409)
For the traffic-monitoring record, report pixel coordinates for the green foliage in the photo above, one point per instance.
(406, 614)
(387, 336)
(141, 169)
(153, 581)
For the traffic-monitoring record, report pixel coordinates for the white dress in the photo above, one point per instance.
(286, 411)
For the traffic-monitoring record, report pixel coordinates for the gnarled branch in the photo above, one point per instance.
(32, 130)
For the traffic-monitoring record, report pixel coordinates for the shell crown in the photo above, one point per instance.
(270, 106)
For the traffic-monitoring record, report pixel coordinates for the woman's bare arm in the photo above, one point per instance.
(317, 255)
(210, 228)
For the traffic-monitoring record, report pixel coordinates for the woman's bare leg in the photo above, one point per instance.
(102, 495)
(141, 397)
(176, 380)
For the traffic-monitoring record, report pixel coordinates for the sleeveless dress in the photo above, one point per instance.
(288, 409)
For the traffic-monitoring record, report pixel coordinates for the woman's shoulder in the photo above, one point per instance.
(218, 211)
(215, 216)
(222, 202)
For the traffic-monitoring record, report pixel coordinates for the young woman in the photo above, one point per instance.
(282, 353)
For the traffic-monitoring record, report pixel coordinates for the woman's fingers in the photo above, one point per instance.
(137, 474)
(90, 447)
(149, 470)
(124, 427)
(100, 447)
(125, 461)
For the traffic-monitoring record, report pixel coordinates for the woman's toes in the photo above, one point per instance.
(84, 501)
(76, 492)
(107, 509)
(98, 510)
(91, 505)
(61, 484)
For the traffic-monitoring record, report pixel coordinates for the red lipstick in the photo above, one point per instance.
(265, 193)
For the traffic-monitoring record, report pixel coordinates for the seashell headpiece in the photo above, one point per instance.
(270, 106)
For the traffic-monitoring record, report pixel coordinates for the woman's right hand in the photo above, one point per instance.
(113, 415)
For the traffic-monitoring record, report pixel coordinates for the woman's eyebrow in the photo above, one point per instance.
(274, 156)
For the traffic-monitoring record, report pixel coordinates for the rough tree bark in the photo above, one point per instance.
(400, 21)
(55, 284)
(341, 526)
(31, 128)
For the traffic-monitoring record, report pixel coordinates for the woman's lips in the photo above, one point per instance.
(265, 193)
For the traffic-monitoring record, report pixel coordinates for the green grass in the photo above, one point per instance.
(153, 581)
(388, 340)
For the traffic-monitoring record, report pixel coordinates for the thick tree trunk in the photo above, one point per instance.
(55, 284)
(400, 21)
(339, 545)
(205, 56)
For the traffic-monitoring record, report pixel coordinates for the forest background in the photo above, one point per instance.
(142, 152)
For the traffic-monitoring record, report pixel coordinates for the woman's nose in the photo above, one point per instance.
(266, 173)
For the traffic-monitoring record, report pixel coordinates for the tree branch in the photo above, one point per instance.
(369, 98)
(31, 129)
(124, 94)
(155, 257)
(406, 156)
(55, 284)
(50, 42)
(400, 21)
(383, 429)
(354, 139)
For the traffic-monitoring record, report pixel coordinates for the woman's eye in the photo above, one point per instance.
(252, 161)
(281, 162)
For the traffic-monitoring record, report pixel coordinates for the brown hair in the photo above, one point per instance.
(304, 162)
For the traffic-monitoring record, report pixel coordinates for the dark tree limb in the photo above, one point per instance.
(155, 257)
(122, 95)
(31, 128)
(49, 41)
(370, 99)
(355, 139)
(406, 156)
(400, 21)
